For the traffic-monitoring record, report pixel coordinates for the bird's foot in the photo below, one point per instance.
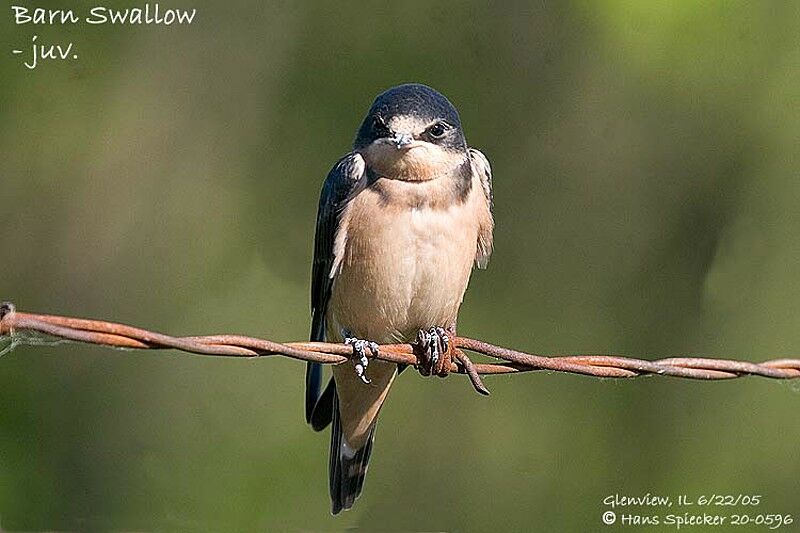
(436, 352)
(359, 358)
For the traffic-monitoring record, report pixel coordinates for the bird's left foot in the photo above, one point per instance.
(436, 353)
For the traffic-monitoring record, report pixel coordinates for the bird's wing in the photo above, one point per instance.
(482, 168)
(343, 182)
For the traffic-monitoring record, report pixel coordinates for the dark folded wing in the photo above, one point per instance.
(342, 183)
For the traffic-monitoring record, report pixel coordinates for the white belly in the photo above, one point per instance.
(402, 269)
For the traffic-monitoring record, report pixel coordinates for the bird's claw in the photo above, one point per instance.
(436, 354)
(360, 359)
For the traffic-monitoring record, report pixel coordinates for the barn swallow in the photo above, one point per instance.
(402, 218)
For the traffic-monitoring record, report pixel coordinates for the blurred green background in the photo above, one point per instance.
(646, 170)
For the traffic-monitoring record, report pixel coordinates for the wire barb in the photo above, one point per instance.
(606, 366)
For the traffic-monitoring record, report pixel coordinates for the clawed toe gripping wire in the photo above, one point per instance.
(13, 323)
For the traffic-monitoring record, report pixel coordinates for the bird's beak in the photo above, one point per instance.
(402, 140)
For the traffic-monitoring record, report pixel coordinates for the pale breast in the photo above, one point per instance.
(402, 268)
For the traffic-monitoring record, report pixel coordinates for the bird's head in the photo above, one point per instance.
(412, 133)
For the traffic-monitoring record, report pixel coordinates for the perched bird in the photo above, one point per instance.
(402, 219)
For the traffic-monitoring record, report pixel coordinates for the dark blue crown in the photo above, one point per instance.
(415, 99)
(411, 99)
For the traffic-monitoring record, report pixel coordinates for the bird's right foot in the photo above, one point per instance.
(359, 358)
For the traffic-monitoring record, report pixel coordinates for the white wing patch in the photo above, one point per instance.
(340, 239)
(483, 170)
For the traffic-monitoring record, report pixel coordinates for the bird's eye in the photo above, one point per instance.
(438, 130)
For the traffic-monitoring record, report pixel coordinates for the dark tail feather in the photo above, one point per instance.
(322, 414)
(347, 467)
(313, 384)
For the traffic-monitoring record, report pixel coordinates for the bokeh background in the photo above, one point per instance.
(647, 188)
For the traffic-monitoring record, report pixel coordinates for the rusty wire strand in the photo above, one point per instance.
(100, 332)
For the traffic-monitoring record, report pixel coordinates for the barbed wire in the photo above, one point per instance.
(13, 323)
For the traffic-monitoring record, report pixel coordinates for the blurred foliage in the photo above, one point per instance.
(646, 182)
